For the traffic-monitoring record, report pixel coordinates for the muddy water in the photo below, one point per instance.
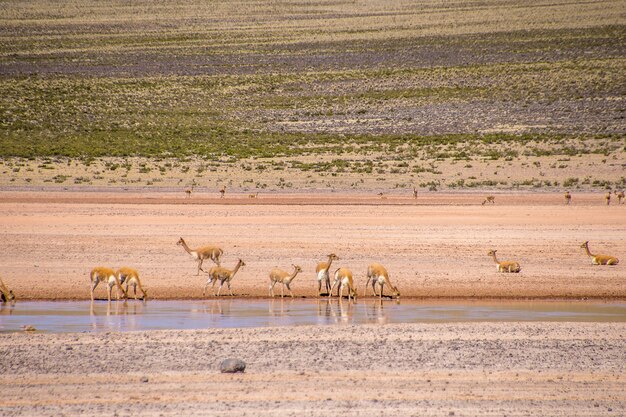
(82, 316)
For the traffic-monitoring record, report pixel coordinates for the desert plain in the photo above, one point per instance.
(320, 119)
(434, 246)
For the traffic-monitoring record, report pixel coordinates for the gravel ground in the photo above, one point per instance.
(513, 369)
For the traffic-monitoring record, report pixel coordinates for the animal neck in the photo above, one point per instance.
(237, 267)
(330, 262)
(187, 248)
(293, 275)
(587, 250)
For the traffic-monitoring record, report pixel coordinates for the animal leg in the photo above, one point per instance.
(208, 281)
(366, 285)
(199, 265)
(93, 288)
(290, 292)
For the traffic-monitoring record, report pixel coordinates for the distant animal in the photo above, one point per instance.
(130, 277)
(222, 191)
(620, 196)
(504, 266)
(284, 278)
(200, 254)
(188, 191)
(599, 259)
(382, 196)
(107, 276)
(568, 197)
(607, 197)
(253, 195)
(489, 199)
(377, 274)
(343, 277)
(414, 192)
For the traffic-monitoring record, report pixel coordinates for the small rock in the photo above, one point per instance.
(231, 366)
(144, 379)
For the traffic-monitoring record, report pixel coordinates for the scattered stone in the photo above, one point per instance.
(144, 379)
(231, 366)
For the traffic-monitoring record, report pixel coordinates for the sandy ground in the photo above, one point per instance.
(488, 369)
(435, 246)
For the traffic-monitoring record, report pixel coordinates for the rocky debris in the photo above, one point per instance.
(231, 366)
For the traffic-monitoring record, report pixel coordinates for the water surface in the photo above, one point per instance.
(83, 316)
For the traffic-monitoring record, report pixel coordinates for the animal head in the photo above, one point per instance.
(584, 245)
(242, 263)
(297, 268)
(333, 257)
(491, 252)
(180, 241)
(395, 292)
(7, 297)
(353, 292)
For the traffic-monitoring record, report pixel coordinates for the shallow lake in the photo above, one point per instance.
(83, 316)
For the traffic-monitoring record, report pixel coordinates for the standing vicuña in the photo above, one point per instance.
(599, 259)
(505, 266)
(188, 191)
(568, 197)
(607, 197)
(130, 277)
(217, 273)
(200, 254)
(222, 191)
(106, 275)
(323, 275)
(490, 199)
(620, 196)
(343, 276)
(378, 275)
(283, 277)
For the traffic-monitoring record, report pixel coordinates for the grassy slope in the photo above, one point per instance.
(257, 79)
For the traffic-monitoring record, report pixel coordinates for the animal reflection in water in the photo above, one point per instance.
(337, 310)
(116, 309)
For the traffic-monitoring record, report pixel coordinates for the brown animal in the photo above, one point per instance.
(222, 191)
(200, 254)
(620, 196)
(489, 199)
(505, 266)
(599, 259)
(568, 197)
(378, 275)
(105, 275)
(284, 278)
(321, 270)
(223, 275)
(343, 277)
(607, 197)
(130, 277)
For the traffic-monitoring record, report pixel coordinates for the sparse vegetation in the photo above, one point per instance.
(398, 102)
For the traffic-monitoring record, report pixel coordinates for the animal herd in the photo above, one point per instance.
(342, 278)
(377, 275)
